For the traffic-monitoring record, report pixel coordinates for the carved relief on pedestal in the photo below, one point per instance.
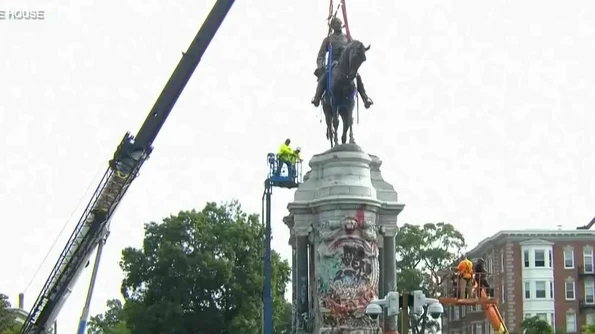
(347, 270)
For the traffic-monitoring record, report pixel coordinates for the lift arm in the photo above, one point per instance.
(494, 317)
(123, 169)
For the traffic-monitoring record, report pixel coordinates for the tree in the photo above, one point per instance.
(423, 251)
(284, 320)
(536, 325)
(589, 329)
(111, 322)
(198, 272)
(8, 324)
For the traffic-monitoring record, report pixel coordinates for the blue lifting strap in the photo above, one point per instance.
(329, 69)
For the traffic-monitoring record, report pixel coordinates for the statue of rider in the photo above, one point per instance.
(338, 40)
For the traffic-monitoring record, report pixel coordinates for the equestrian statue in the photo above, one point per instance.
(345, 58)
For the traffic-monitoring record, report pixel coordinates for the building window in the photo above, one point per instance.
(527, 290)
(539, 258)
(542, 316)
(503, 293)
(526, 258)
(490, 264)
(570, 295)
(540, 289)
(590, 317)
(551, 289)
(478, 328)
(501, 260)
(552, 320)
(568, 258)
(570, 322)
(589, 292)
(488, 327)
(527, 315)
(588, 259)
(549, 259)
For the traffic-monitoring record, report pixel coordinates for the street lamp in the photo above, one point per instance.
(422, 304)
(390, 302)
(417, 300)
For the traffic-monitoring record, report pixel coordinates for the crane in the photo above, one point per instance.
(123, 168)
(274, 179)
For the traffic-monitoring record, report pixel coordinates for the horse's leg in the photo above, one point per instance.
(329, 127)
(346, 123)
(345, 128)
(336, 128)
(328, 115)
(350, 121)
(351, 139)
(329, 130)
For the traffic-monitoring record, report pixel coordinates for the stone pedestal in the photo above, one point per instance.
(343, 217)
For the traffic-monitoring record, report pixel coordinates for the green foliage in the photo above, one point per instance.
(283, 321)
(198, 272)
(110, 322)
(535, 325)
(590, 329)
(8, 324)
(422, 252)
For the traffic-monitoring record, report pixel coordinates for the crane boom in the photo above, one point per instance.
(128, 158)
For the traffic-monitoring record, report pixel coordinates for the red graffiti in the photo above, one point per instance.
(356, 222)
(341, 309)
(360, 216)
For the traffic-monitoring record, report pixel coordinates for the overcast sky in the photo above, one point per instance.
(483, 115)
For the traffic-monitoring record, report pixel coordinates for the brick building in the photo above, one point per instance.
(549, 274)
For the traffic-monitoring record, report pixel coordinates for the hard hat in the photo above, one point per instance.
(298, 148)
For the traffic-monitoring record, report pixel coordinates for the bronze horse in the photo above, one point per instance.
(340, 100)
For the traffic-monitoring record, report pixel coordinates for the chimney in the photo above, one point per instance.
(22, 301)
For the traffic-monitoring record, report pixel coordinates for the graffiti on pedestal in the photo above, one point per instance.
(347, 270)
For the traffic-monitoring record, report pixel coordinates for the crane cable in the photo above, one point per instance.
(61, 231)
(342, 4)
(344, 10)
(332, 13)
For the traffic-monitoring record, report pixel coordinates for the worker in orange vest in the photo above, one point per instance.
(465, 269)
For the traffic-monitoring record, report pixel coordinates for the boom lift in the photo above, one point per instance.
(274, 179)
(480, 297)
(128, 158)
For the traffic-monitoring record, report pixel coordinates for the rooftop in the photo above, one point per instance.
(534, 233)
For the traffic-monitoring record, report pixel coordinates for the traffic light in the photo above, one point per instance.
(419, 301)
(392, 301)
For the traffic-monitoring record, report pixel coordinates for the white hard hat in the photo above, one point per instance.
(298, 148)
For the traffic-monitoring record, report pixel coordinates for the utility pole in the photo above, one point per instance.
(405, 313)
